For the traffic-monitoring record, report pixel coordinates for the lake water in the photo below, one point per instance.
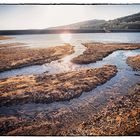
(45, 40)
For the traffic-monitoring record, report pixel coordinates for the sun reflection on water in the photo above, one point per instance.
(66, 37)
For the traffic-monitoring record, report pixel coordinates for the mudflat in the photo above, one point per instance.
(107, 113)
(134, 62)
(46, 88)
(4, 46)
(97, 51)
(16, 57)
(117, 115)
(5, 37)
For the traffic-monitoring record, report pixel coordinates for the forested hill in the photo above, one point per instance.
(127, 22)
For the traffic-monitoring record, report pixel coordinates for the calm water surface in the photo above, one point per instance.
(47, 40)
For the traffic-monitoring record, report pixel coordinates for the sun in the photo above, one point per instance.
(66, 37)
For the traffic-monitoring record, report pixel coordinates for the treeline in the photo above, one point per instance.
(128, 22)
(21, 32)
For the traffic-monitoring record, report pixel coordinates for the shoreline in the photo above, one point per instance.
(11, 45)
(59, 31)
(25, 56)
(107, 113)
(134, 62)
(46, 88)
(117, 116)
(18, 56)
(97, 51)
(5, 37)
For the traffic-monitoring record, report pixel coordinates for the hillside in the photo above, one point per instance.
(127, 22)
(81, 25)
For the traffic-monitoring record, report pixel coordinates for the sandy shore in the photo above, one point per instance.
(15, 57)
(134, 62)
(97, 51)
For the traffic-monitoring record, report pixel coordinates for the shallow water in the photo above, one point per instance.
(118, 85)
(47, 40)
(64, 64)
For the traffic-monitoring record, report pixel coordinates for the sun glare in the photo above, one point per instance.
(66, 37)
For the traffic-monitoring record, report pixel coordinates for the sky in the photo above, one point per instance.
(43, 16)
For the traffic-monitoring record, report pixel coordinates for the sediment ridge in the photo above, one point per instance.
(118, 115)
(16, 57)
(134, 62)
(46, 88)
(97, 51)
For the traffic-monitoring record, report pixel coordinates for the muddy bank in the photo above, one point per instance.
(22, 56)
(117, 115)
(97, 51)
(134, 62)
(5, 46)
(5, 37)
(46, 88)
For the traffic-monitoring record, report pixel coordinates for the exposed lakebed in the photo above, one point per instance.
(58, 118)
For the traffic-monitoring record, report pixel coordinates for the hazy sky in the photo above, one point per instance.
(43, 16)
